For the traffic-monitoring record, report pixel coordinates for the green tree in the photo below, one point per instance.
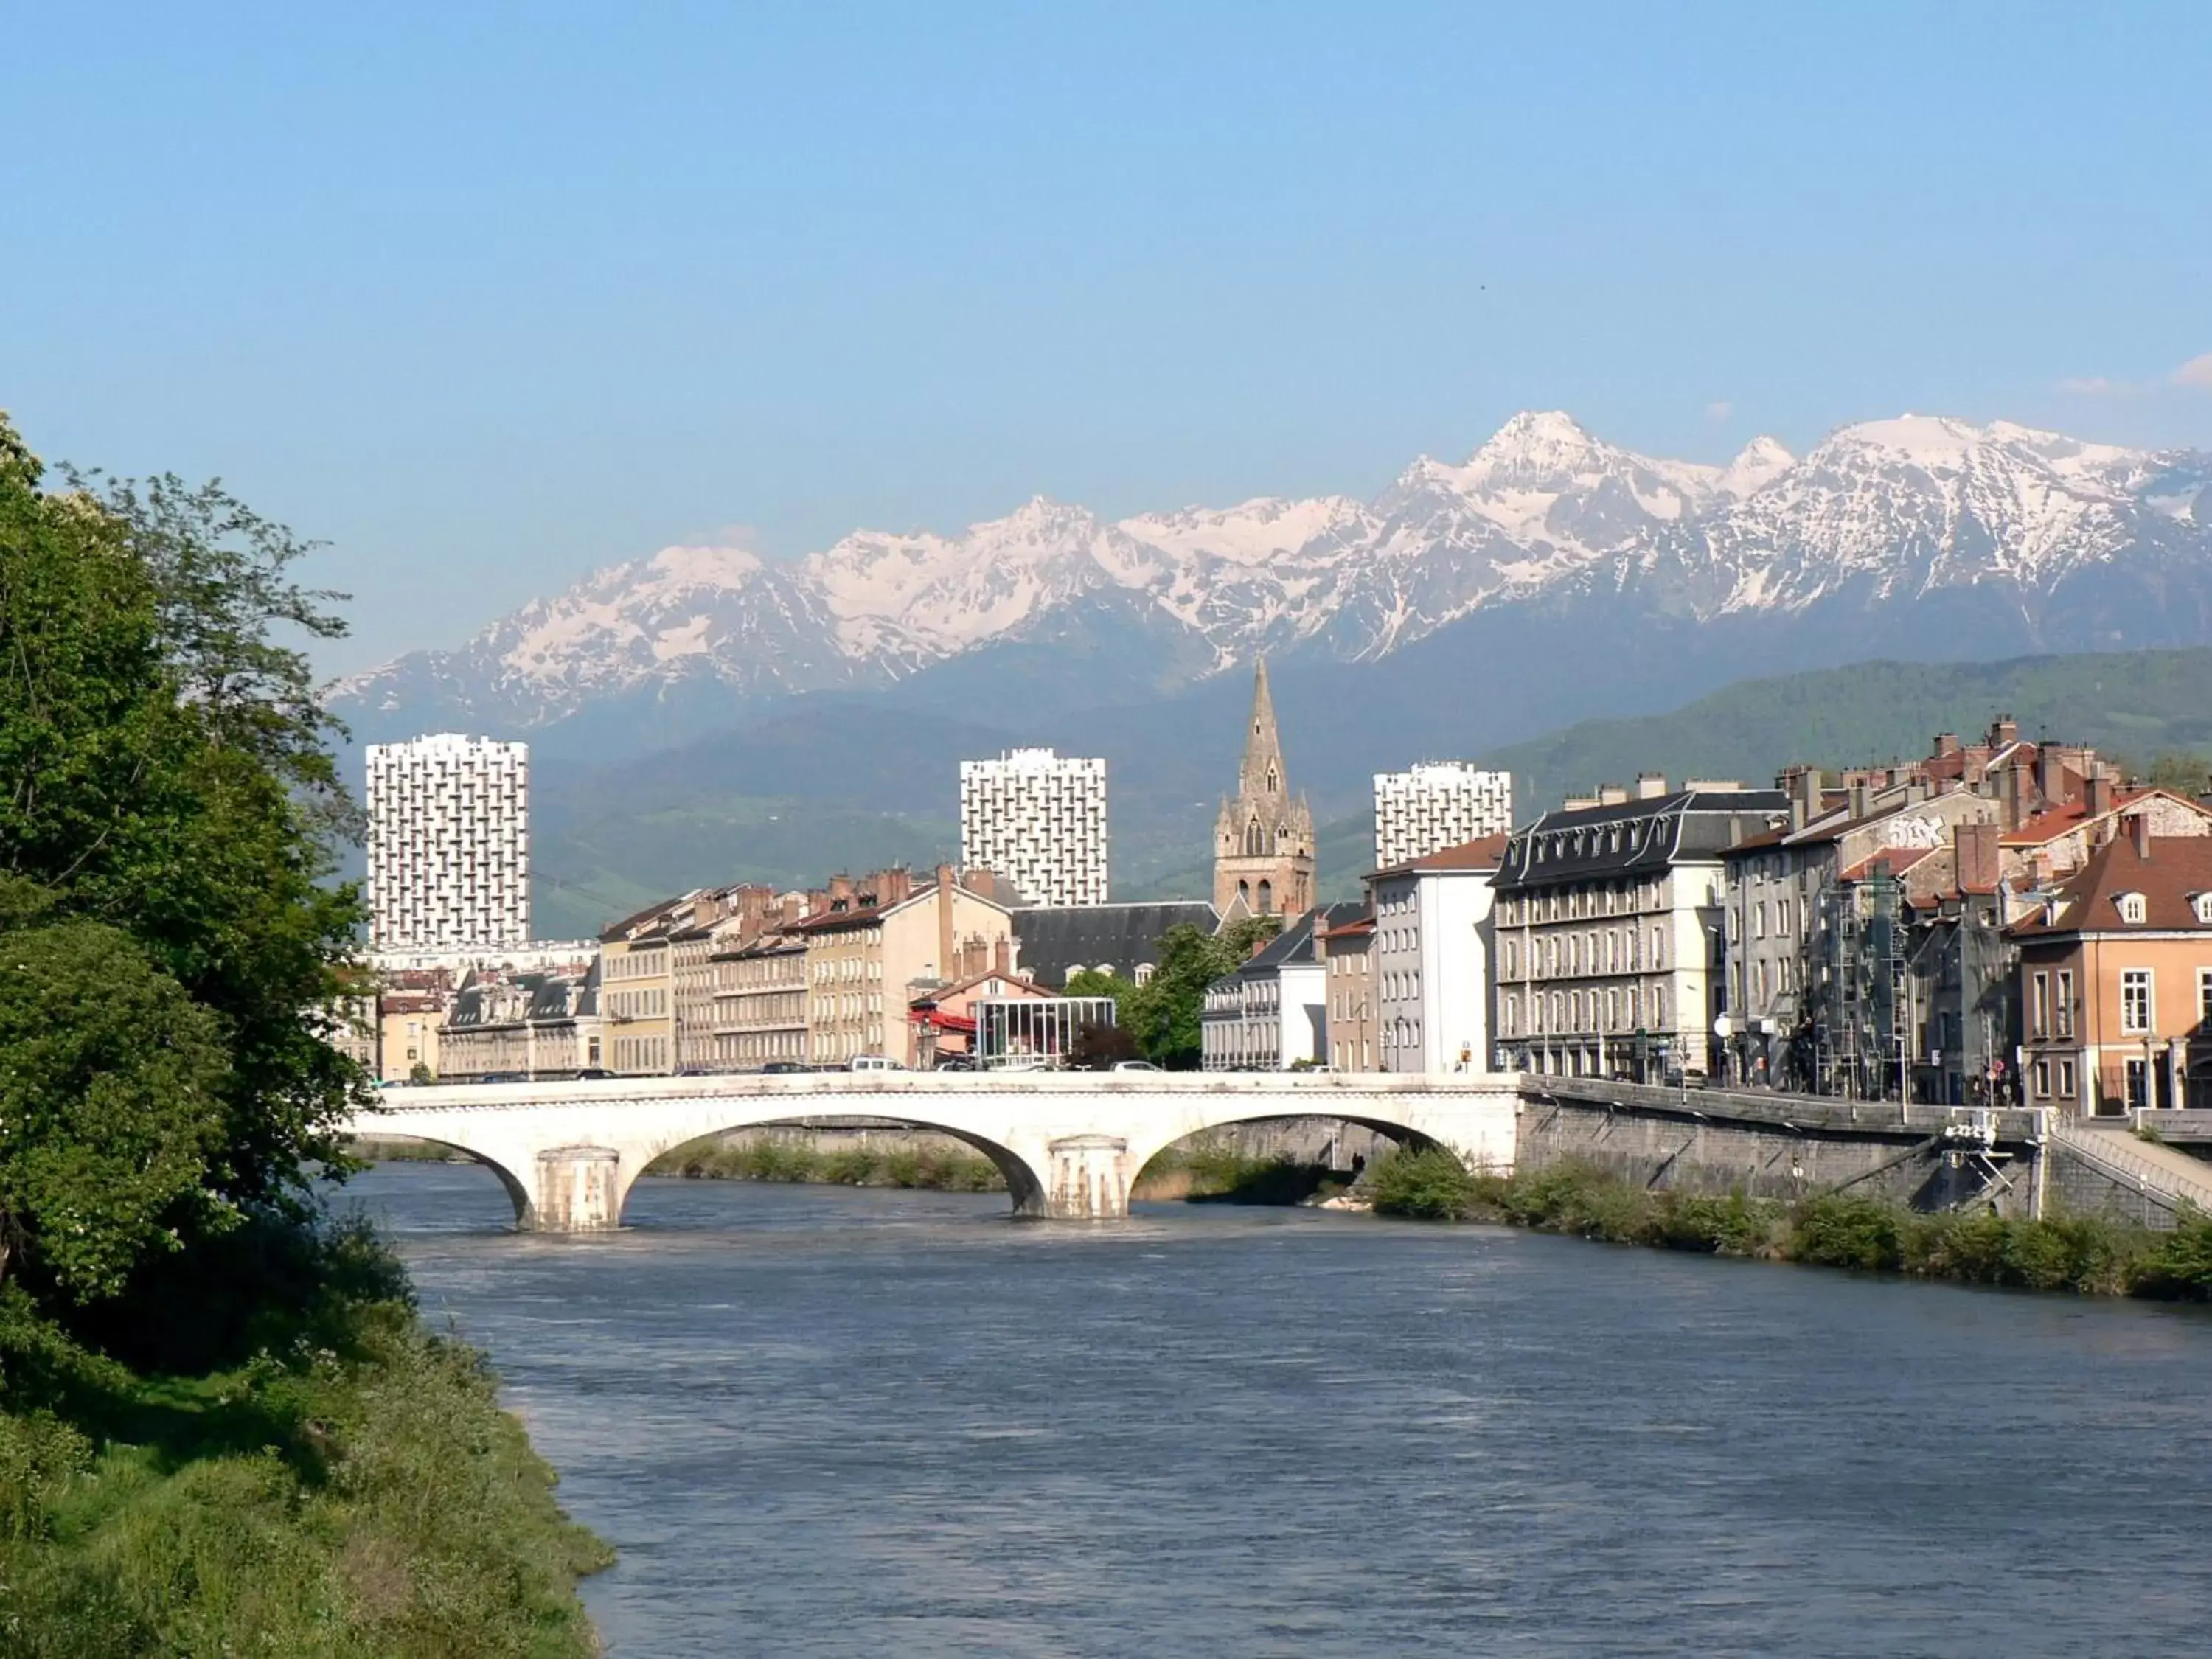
(113, 1080)
(163, 773)
(2183, 773)
(1163, 1012)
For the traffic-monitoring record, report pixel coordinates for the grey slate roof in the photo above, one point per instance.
(1635, 837)
(1057, 939)
(1295, 944)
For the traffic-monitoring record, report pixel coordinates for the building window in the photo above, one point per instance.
(2138, 1085)
(2043, 1080)
(2065, 1008)
(2133, 907)
(2204, 998)
(2039, 1006)
(2134, 1000)
(2066, 1079)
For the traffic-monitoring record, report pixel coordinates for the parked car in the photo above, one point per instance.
(1135, 1065)
(874, 1063)
(782, 1067)
(955, 1063)
(592, 1073)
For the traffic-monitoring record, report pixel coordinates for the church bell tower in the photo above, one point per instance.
(1263, 842)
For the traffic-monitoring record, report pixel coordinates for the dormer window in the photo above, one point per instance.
(2133, 907)
(2201, 904)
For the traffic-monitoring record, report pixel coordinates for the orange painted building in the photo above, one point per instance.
(2116, 980)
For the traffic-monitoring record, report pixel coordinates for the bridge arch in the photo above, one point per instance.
(1393, 1127)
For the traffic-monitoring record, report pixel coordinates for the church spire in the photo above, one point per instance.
(1262, 777)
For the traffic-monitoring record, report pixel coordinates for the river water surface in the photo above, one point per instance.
(818, 1420)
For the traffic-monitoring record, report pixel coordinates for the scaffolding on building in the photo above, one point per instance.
(1860, 1029)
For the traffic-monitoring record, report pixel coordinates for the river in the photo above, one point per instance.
(829, 1421)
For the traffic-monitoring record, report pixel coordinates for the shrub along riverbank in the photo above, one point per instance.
(305, 1471)
(1204, 1173)
(2087, 1255)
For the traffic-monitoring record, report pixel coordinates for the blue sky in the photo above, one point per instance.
(487, 296)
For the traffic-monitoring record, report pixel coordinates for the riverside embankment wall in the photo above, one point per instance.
(1783, 1147)
(1792, 1147)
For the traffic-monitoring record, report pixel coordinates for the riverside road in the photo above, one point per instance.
(826, 1421)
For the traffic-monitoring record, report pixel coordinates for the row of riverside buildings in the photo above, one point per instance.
(2004, 922)
(743, 976)
(2001, 919)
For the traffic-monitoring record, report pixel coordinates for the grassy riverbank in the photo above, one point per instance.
(1222, 1174)
(799, 1161)
(311, 1473)
(2086, 1255)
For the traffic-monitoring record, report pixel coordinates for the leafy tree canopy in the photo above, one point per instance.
(168, 811)
(1162, 1014)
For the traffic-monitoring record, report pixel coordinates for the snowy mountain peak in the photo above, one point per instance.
(1882, 513)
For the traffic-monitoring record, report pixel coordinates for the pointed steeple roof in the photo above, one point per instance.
(1263, 775)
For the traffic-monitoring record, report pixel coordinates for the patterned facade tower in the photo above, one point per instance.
(448, 843)
(1038, 819)
(1263, 842)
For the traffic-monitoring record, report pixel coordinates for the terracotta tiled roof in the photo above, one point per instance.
(2178, 867)
(1484, 852)
(2045, 827)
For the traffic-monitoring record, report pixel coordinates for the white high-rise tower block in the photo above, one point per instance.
(1435, 804)
(1039, 820)
(448, 843)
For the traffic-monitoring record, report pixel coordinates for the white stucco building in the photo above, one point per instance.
(1436, 804)
(449, 843)
(1038, 819)
(1430, 958)
(1271, 1013)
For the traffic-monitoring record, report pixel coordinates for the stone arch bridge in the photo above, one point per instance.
(1070, 1145)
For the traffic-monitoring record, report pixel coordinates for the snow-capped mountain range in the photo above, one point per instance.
(2048, 541)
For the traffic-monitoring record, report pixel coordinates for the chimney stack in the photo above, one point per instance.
(2139, 823)
(1805, 802)
(1650, 786)
(2010, 808)
(1947, 743)
(2004, 731)
(1975, 848)
(2097, 798)
(2050, 774)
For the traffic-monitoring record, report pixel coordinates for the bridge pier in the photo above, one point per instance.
(578, 1190)
(1090, 1178)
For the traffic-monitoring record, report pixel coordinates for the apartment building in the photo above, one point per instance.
(1431, 955)
(1608, 923)
(760, 1003)
(2115, 970)
(1866, 942)
(448, 843)
(1271, 1013)
(1037, 821)
(873, 952)
(411, 1005)
(1347, 955)
(1435, 804)
(526, 1026)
